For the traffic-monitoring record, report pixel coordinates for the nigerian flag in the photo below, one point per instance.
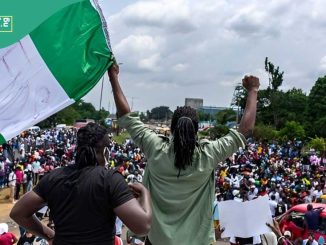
(53, 66)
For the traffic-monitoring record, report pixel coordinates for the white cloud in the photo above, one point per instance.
(174, 15)
(323, 64)
(151, 63)
(203, 48)
(180, 67)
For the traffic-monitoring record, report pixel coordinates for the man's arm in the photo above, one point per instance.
(119, 98)
(247, 123)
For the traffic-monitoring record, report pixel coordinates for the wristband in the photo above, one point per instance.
(281, 237)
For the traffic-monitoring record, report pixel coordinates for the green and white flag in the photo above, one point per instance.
(52, 67)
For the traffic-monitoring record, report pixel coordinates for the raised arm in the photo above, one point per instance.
(119, 98)
(247, 123)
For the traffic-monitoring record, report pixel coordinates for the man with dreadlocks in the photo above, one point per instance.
(85, 198)
(180, 170)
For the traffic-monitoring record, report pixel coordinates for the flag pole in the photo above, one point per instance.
(101, 94)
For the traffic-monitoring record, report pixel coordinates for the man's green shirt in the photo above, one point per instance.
(182, 206)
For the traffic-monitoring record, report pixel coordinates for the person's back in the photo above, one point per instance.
(312, 217)
(186, 195)
(180, 170)
(85, 198)
(92, 189)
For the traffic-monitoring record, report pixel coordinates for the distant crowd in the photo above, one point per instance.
(277, 169)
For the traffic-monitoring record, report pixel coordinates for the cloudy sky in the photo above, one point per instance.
(173, 49)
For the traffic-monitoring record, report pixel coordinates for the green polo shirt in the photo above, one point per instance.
(182, 207)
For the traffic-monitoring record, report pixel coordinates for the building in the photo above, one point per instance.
(195, 103)
(212, 110)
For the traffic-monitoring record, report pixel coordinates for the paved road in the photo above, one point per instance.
(6, 206)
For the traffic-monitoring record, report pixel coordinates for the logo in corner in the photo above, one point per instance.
(6, 23)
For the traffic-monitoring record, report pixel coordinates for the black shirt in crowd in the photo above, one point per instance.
(81, 202)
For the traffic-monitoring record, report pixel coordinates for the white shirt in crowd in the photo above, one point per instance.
(272, 206)
(317, 193)
(12, 179)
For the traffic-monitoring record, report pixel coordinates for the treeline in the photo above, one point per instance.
(79, 110)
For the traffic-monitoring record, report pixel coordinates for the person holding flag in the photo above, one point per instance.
(180, 170)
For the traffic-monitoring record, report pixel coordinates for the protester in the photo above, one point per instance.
(312, 217)
(310, 240)
(12, 185)
(180, 172)
(6, 237)
(27, 239)
(19, 181)
(85, 198)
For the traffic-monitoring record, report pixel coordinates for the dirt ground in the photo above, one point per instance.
(5, 207)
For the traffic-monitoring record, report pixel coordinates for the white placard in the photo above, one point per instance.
(245, 219)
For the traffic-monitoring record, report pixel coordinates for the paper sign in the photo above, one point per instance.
(245, 219)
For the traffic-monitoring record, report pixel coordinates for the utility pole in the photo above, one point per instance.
(235, 104)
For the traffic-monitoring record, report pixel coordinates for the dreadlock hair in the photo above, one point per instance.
(88, 141)
(184, 127)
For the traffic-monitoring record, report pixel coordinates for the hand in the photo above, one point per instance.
(275, 228)
(251, 83)
(137, 189)
(114, 71)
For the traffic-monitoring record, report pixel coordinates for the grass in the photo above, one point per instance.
(121, 138)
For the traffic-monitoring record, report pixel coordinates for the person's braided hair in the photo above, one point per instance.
(88, 139)
(184, 127)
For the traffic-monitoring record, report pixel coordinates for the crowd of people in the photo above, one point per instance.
(277, 169)
(177, 174)
(280, 170)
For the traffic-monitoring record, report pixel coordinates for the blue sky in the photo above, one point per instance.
(171, 50)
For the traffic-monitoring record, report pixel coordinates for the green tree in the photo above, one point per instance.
(203, 116)
(218, 131)
(294, 105)
(317, 108)
(275, 78)
(292, 130)
(318, 144)
(265, 132)
(224, 116)
(79, 110)
(161, 113)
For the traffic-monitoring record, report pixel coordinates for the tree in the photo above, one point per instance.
(218, 131)
(294, 105)
(161, 113)
(265, 132)
(292, 130)
(318, 144)
(79, 110)
(275, 76)
(317, 108)
(224, 116)
(203, 116)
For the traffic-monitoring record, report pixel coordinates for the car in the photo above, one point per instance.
(293, 220)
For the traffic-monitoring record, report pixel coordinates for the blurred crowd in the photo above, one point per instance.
(277, 169)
